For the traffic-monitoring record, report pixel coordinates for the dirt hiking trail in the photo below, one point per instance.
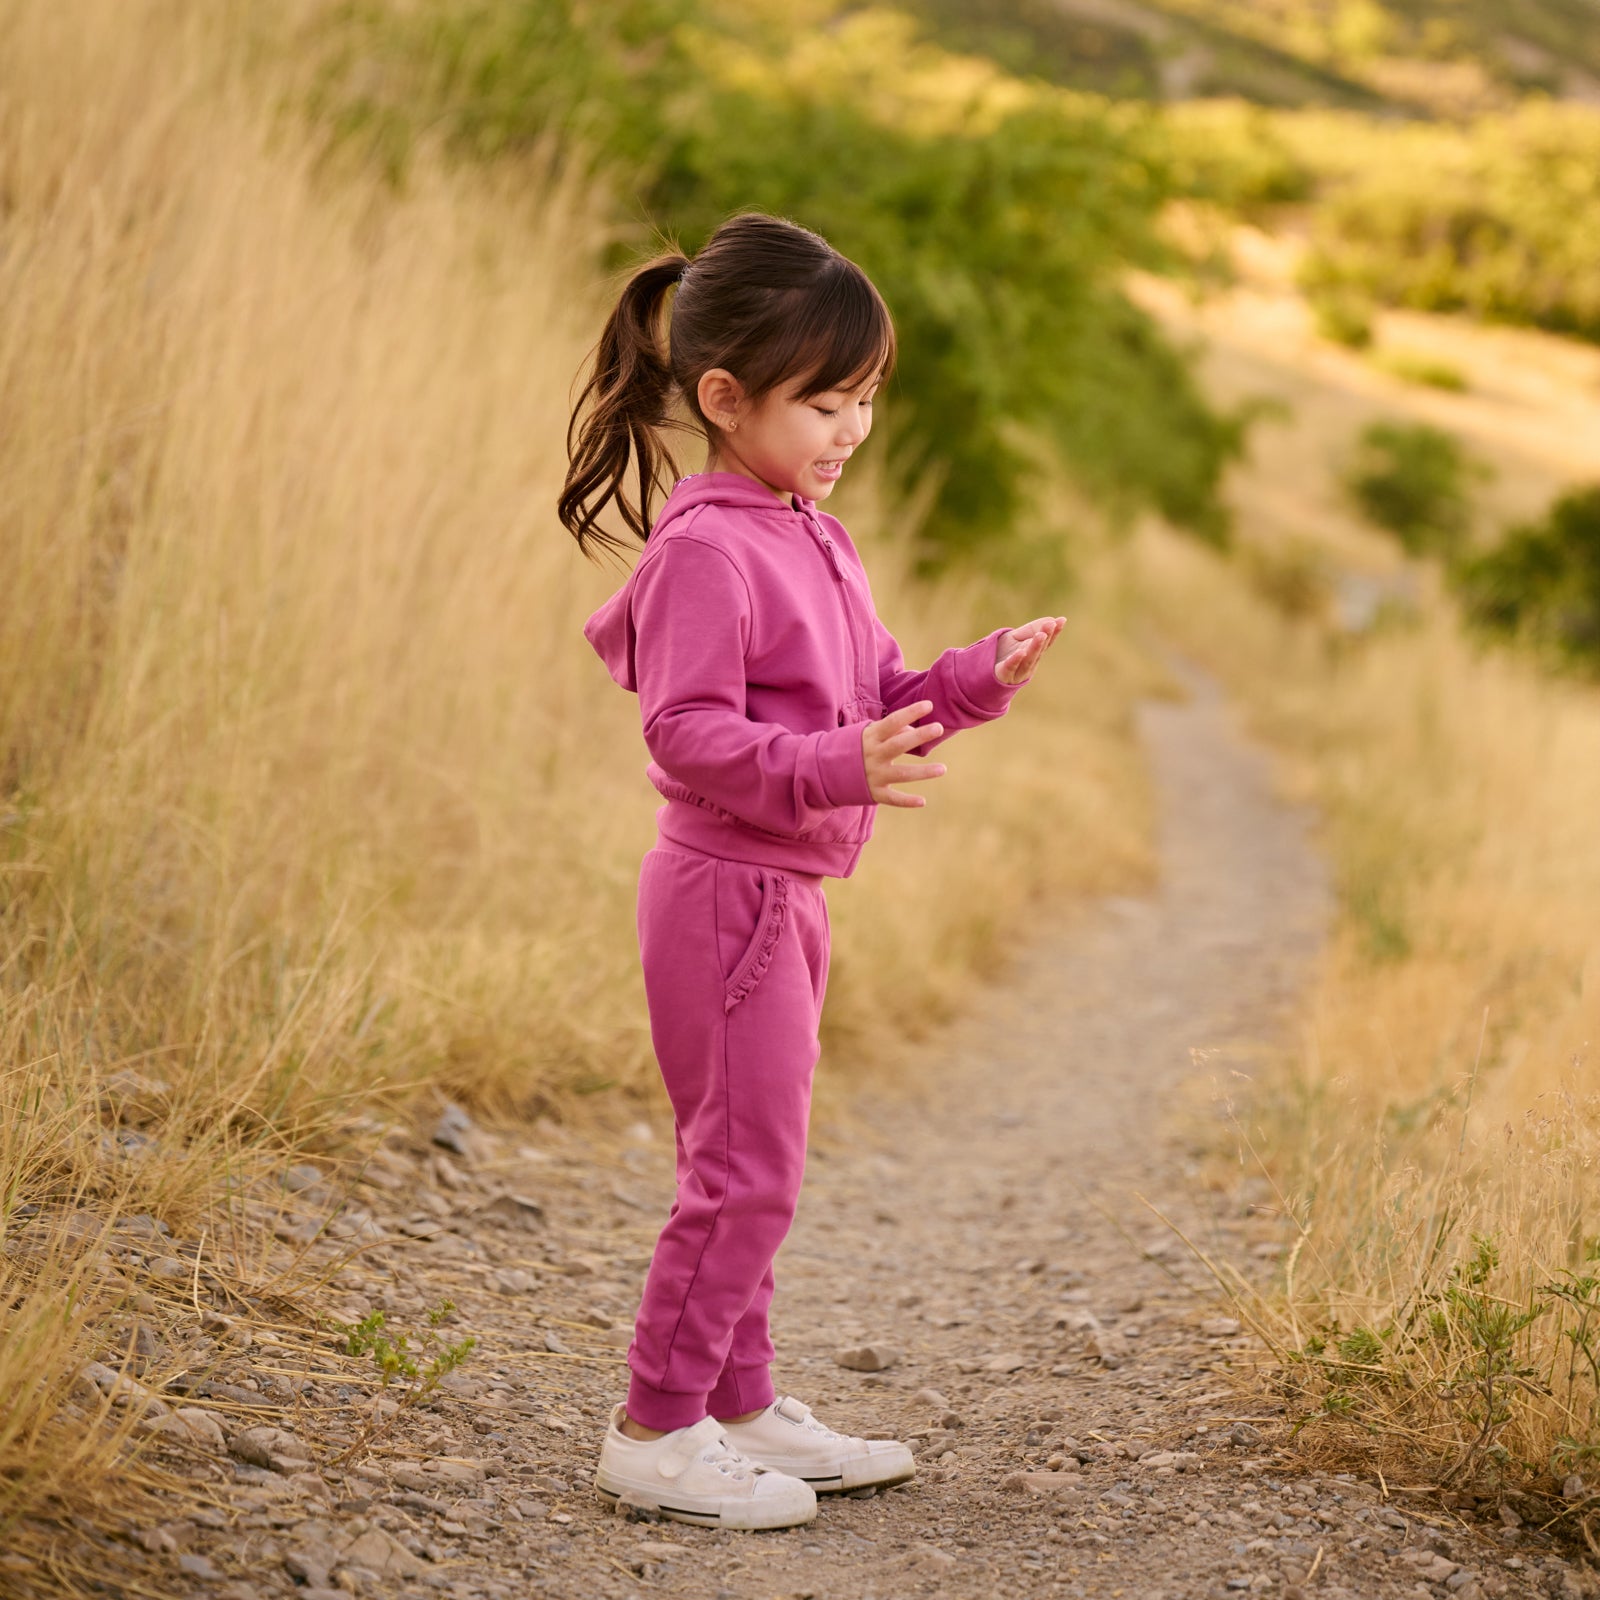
(1061, 1368)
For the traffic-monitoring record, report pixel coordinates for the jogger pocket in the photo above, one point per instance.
(757, 957)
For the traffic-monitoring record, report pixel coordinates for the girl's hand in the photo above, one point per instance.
(885, 741)
(1019, 649)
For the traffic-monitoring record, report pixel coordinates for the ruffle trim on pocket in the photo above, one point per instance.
(755, 965)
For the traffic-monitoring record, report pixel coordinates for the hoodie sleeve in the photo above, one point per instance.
(961, 684)
(692, 620)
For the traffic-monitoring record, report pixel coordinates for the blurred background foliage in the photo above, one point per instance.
(947, 179)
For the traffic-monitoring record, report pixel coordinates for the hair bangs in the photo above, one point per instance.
(844, 334)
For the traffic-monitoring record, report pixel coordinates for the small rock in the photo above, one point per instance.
(513, 1280)
(1158, 1458)
(274, 1448)
(514, 1209)
(1010, 1361)
(170, 1269)
(381, 1553)
(555, 1344)
(1107, 1347)
(198, 1566)
(1128, 1303)
(1049, 1483)
(1242, 1433)
(454, 1130)
(195, 1426)
(1573, 1488)
(1221, 1327)
(867, 1357)
(301, 1177)
(311, 1564)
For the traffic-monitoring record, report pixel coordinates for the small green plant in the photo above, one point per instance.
(421, 1364)
(1343, 315)
(1413, 367)
(1541, 584)
(1412, 479)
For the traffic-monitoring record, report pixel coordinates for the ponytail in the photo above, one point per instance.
(627, 401)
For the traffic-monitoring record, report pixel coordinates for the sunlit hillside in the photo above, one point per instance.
(1420, 57)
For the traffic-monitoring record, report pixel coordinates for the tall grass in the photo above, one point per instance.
(312, 797)
(1435, 1141)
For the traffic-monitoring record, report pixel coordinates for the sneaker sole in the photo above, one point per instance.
(748, 1517)
(866, 1474)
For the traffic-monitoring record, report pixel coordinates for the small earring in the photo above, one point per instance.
(732, 426)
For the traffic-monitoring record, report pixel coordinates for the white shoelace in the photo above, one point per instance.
(730, 1462)
(821, 1429)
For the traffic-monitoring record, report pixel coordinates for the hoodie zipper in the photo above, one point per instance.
(827, 544)
(819, 533)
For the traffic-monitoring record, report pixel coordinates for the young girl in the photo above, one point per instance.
(778, 712)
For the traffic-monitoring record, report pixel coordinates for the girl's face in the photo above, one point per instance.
(796, 446)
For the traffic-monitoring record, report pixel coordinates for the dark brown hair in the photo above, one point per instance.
(765, 299)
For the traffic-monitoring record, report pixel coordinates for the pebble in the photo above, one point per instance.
(867, 1357)
(1010, 1361)
(1221, 1327)
(514, 1209)
(193, 1425)
(453, 1131)
(301, 1177)
(274, 1448)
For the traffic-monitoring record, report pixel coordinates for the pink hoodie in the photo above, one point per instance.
(748, 632)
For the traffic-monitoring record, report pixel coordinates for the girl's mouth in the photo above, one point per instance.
(830, 470)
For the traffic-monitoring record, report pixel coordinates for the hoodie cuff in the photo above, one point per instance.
(976, 683)
(842, 766)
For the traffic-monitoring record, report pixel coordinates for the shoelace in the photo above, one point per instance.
(731, 1463)
(811, 1425)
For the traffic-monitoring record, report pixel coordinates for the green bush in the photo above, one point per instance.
(995, 215)
(1501, 220)
(1342, 315)
(1412, 479)
(1541, 584)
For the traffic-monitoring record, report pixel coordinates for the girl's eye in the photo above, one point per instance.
(826, 412)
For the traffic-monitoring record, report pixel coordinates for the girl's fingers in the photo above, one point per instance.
(910, 738)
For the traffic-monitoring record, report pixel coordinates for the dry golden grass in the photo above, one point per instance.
(1445, 1092)
(312, 798)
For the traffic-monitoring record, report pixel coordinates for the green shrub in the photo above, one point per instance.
(1542, 582)
(995, 215)
(1412, 479)
(1414, 367)
(1343, 315)
(1501, 220)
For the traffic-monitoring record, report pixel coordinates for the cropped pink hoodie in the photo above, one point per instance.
(747, 630)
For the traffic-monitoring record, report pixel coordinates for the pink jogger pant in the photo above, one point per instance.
(735, 963)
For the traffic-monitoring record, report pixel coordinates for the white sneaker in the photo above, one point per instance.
(695, 1475)
(787, 1438)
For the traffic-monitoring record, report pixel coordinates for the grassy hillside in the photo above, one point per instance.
(1427, 57)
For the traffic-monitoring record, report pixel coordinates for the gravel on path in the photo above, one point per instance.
(974, 1270)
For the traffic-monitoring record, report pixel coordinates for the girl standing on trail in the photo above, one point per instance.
(778, 712)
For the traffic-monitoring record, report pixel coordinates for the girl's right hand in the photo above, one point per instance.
(884, 742)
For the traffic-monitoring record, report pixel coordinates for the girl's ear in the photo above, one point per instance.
(721, 397)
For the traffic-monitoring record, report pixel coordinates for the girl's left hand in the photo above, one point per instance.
(1020, 648)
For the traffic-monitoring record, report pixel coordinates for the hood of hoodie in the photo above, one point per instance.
(610, 630)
